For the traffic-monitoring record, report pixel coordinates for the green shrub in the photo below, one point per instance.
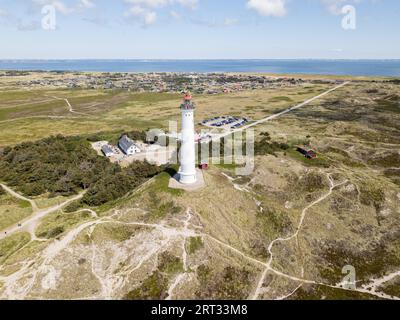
(265, 146)
(64, 165)
(73, 206)
(58, 165)
(372, 196)
(114, 186)
(194, 244)
(153, 288)
(231, 283)
(170, 264)
(53, 233)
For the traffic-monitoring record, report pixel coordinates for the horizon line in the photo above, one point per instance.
(198, 59)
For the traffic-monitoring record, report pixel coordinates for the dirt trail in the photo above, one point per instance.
(360, 290)
(70, 108)
(111, 283)
(14, 290)
(38, 117)
(376, 283)
(19, 196)
(30, 223)
(300, 225)
(290, 294)
(182, 277)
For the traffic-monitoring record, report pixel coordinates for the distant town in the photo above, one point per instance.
(198, 83)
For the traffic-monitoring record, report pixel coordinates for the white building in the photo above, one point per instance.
(107, 150)
(128, 146)
(187, 171)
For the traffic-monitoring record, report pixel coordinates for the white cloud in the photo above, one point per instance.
(163, 3)
(275, 8)
(86, 4)
(147, 16)
(230, 22)
(188, 3)
(65, 9)
(148, 3)
(3, 13)
(146, 10)
(150, 18)
(175, 15)
(59, 5)
(335, 6)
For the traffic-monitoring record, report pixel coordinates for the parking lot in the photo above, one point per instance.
(225, 122)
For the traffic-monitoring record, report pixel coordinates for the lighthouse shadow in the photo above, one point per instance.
(172, 172)
(173, 175)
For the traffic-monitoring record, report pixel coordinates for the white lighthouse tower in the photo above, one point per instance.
(187, 171)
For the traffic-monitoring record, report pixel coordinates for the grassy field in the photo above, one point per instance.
(12, 210)
(56, 224)
(26, 116)
(215, 240)
(12, 244)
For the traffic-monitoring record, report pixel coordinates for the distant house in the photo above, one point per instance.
(302, 151)
(128, 146)
(107, 150)
(311, 154)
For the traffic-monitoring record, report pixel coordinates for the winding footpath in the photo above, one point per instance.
(19, 196)
(70, 108)
(42, 264)
(29, 224)
(302, 217)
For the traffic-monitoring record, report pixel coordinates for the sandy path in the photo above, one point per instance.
(29, 224)
(70, 108)
(302, 217)
(376, 283)
(31, 269)
(21, 197)
(11, 292)
(182, 277)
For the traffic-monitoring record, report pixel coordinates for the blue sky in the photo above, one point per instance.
(200, 29)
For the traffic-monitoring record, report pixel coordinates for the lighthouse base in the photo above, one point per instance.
(175, 182)
(185, 178)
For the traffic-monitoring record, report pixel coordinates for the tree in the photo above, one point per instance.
(64, 165)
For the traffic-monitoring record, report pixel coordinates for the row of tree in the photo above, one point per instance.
(66, 165)
(265, 146)
(114, 186)
(262, 146)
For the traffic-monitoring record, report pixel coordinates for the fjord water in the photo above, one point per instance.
(328, 67)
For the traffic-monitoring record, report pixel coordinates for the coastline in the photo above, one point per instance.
(389, 68)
